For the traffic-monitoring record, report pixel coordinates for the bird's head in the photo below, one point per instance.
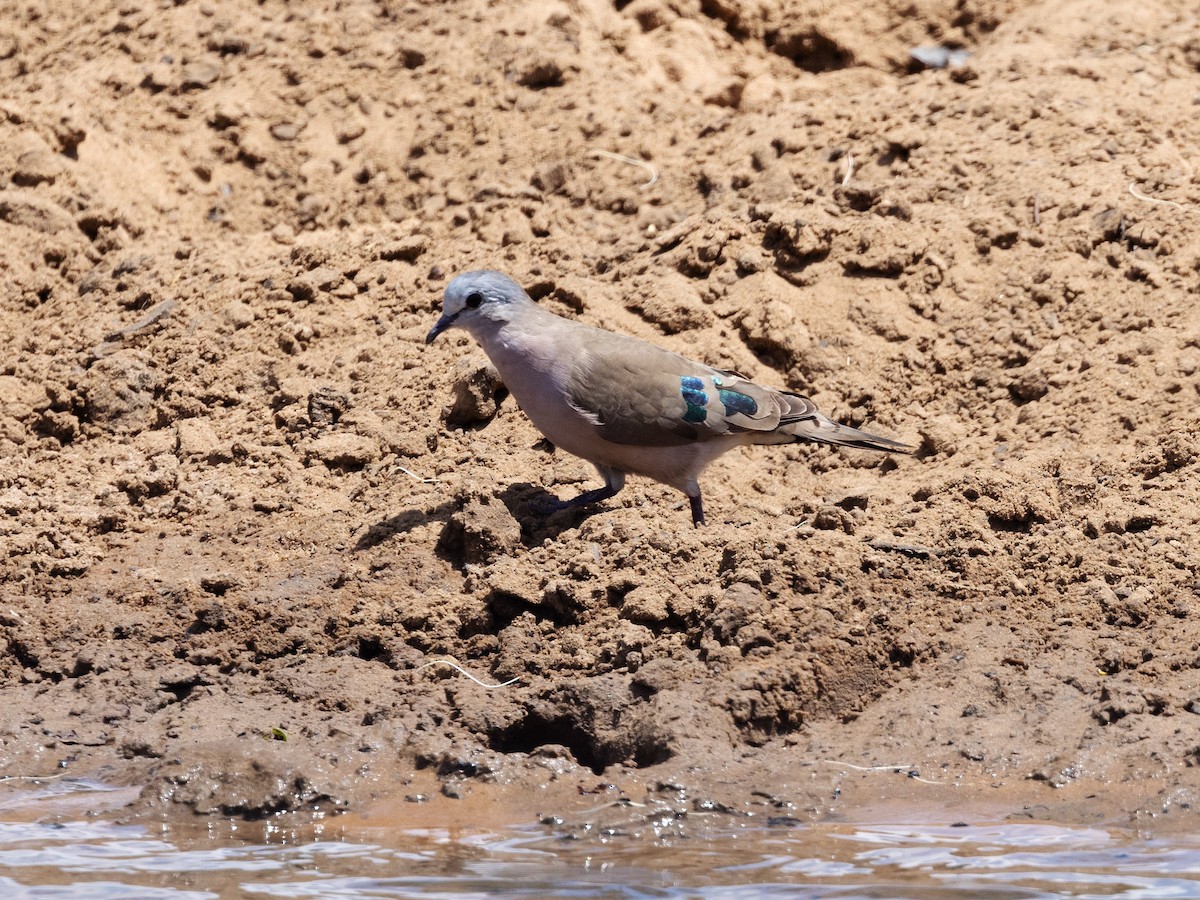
(477, 301)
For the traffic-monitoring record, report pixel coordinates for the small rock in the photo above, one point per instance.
(238, 314)
(672, 304)
(741, 605)
(36, 167)
(1031, 384)
(326, 279)
(939, 56)
(199, 75)
(405, 250)
(344, 451)
(226, 115)
(645, 604)
(507, 579)
(195, 439)
(940, 436)
(302, 288)
(661, 674)
(19, 397)
(326, 406)
(9, 45)
(118, 392)
(157, 476)
(477, 393)
(350, 132)
(29, 211)
(480, 532)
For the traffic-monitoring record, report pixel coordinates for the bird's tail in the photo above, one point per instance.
(826, 431)
(802, 422)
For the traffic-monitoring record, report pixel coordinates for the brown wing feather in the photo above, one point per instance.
(635, 393)
(639, 394)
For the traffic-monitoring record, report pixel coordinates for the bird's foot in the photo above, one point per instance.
(550, 505)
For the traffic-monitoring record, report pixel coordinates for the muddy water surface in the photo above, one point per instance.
(58, 842)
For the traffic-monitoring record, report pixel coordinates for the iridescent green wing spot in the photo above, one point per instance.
(736, 403)
(692, 390)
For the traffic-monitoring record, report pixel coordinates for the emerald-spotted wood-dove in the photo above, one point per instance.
(623, 404)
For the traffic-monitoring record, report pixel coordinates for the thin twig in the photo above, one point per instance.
(160, 311)
(835, 762)
(633, 162)
(462, 671)
(32, 777)
(413, 475)
(113, 340)
(1135, 192)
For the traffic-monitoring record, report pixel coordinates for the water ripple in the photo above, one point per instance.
(1028, 861)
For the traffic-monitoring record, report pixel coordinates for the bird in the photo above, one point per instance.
(627, 406)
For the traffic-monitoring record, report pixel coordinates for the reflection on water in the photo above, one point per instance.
(97, 859)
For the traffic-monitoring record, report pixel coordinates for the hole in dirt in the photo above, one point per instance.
(1014, 524)
(727, 15)
(642, 691)
(370, 648)
(536, 731)
(903, 657)
(810, 50)
(180, 689)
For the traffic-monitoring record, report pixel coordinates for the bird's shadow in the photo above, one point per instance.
(532, 506)
(403, 522)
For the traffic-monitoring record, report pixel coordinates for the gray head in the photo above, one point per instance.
(475, 300)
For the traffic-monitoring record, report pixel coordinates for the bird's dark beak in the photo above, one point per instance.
(442, 324)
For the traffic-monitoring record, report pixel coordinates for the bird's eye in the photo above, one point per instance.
(474, 299)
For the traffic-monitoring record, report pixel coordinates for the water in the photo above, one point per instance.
(60, 851)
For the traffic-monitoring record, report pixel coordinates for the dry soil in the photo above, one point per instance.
(247, 515)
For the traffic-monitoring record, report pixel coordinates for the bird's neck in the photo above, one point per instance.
(526, 344)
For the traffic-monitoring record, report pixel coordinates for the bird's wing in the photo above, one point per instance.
(639, 394)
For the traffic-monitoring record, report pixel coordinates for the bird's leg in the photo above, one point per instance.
(697, 510)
